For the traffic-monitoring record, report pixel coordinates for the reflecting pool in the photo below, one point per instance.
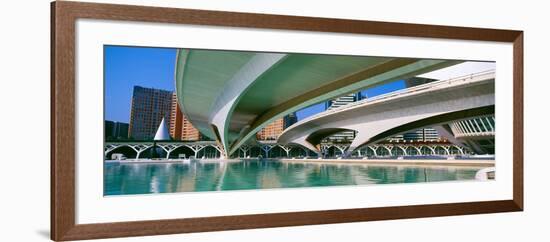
(132, 178)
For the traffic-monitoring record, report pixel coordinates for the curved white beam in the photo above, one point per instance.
(375, 117)
(233, 90)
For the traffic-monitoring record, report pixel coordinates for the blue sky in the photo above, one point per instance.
(126, 67)
(371, 92)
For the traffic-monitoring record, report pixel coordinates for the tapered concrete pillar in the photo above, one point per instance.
(362, 136)
(233, 89)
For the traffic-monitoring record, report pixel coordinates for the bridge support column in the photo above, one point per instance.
(233, 89)
(364, 134)
(266, 149)
(138, 153)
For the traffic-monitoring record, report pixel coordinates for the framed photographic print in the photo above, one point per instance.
(170, 120)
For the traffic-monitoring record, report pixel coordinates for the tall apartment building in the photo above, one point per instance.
(149, 106)
(274, 129)
(271, 131)
(180, 127)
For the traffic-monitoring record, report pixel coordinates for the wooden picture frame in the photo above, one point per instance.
(63, 18)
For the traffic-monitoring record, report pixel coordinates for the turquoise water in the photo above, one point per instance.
(127, 178)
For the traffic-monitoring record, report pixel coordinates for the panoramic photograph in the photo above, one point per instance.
(197, 120)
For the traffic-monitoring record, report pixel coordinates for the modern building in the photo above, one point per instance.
(478, 134)
(289, 120)
(180, 127)
(418, 135)
(343, 100)
(345, 136)
(425, 134)
(149, 107)
(116, 130)
(273, 130)
(415, 81)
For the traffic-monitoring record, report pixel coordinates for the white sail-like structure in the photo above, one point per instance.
(162, 131)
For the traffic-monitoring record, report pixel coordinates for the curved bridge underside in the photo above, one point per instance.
(374, 120)
(230, 95)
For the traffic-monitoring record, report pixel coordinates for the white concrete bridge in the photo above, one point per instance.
(378, 118)
(230, 95)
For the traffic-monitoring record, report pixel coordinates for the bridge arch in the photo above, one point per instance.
(456, 150)
(371, 151)
(426, 150)
(182, 150)
(208, 152)
(441, 150)
(434, 104)
(277, 151)
(362, 152)
(125, 150)
(398, 151)
(412, 151)
(383, 151)
(316, 137)
(298, 151)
